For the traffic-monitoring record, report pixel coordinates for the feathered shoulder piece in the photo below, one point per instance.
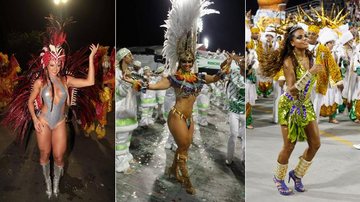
(17, 116)
(182, 25)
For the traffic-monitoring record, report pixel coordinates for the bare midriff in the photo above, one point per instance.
(185, 105)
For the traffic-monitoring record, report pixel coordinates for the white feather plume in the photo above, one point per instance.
(183, 17)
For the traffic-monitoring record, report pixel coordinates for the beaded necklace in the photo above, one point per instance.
(188, 83)
(298, 62)
(302, 93)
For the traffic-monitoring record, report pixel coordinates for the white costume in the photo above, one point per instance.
(235, 92)
(250, 93)
(216, 94)
(160, 94)
(203, 102)
(139, 72)
(148, 103)
(350, 79)
(125, 115)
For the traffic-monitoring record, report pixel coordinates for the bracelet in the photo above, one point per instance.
(136, 85)
(220, 74)
(301, 83)
(144, 86)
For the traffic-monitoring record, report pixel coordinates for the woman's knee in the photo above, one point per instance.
(315, 145)
(314, 140)
(58, 158)
(44, 155)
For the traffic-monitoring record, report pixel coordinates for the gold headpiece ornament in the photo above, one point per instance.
(281, 29)
(290, 21)
(264, 22)
(299, 16)
(186, 47)
(255, 30)
(330, 20)
(314, 28)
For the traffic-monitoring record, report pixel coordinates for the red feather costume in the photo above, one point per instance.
(17, 116)
(105, 79)
(8, 77)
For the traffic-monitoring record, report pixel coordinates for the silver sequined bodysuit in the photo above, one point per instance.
(56, 115)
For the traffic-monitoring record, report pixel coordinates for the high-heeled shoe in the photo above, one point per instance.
(174, 169)
(58, 172)
(46, 172)
(300, 170)
(282, 188)
(184, 172)
(297, 181)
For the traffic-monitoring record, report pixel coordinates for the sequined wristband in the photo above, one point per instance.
(300, 84)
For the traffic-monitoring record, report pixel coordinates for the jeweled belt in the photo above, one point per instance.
(174, 110)
(298, 105)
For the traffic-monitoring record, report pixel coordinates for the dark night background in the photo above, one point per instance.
(95, 24)
(142, 27)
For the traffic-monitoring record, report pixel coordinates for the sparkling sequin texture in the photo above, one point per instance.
(185, 89)
(297, 113)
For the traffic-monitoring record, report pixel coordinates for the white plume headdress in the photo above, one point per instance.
(182, 26)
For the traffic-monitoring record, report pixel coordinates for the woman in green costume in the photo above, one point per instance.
(296, 113)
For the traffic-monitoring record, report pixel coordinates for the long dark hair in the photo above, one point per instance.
(272, 62)
(52, 89)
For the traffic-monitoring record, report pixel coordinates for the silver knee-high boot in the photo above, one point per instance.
(46, 172)
(58, 172)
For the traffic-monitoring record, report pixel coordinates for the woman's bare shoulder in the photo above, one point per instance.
(288, 63)
(38, 82)
(64, 79)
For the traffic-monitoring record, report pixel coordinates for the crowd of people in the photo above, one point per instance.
(140, 90)
(309, 62)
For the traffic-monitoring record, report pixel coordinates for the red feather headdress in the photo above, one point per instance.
(52, 49)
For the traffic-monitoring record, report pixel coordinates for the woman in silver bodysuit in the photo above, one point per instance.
(41, 98)
(50, 122)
